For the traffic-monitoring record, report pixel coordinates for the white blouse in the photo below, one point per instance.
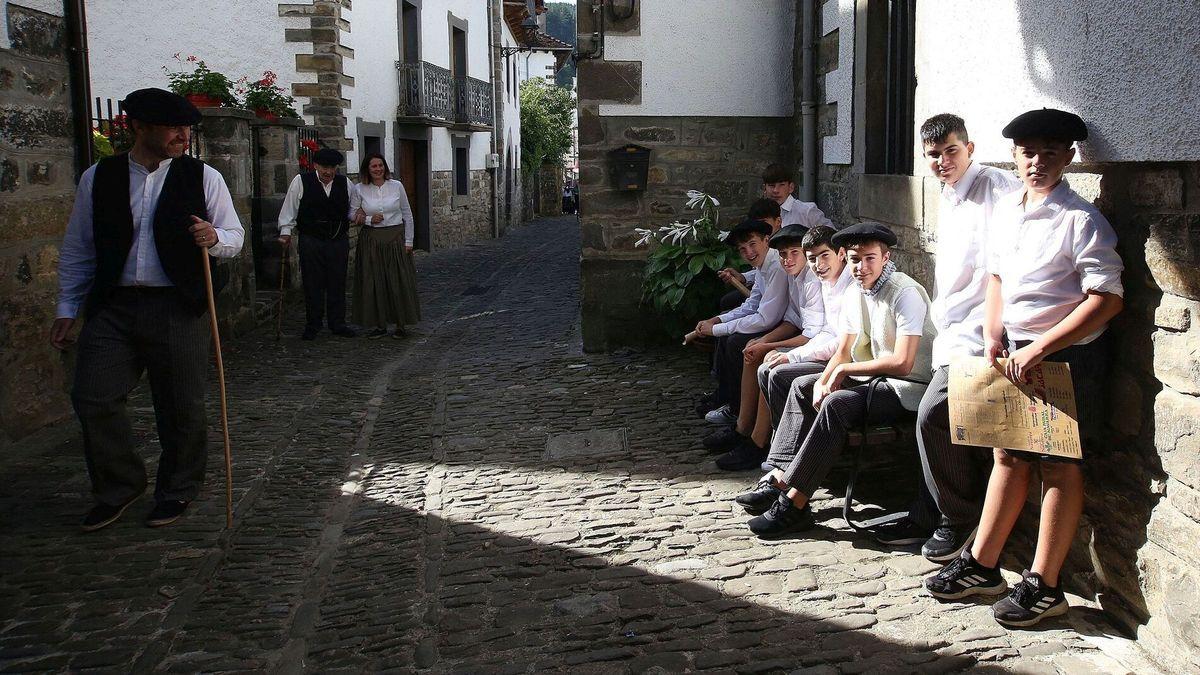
(390, 199)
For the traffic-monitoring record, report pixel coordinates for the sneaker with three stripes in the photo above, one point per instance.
(964, 576)
(1030, 602)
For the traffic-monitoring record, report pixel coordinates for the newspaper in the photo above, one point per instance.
(987, 409)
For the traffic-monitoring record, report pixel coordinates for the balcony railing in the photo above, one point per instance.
(432, 95)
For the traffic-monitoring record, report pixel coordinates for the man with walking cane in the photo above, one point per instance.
(129, 258)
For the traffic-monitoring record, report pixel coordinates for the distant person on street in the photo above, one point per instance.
(130, 258)
(318, 204)
(385, 280)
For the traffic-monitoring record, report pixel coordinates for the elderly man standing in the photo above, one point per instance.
(318, 204)
(130, 256)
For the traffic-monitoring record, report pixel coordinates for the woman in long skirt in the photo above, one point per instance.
(385, 280)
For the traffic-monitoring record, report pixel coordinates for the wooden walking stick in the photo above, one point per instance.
(216, 337)
(283, 256)
(741, 288)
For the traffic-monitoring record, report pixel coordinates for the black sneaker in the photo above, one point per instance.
(948, 542)
(309, 334)
(166, 512)
(344, 331)
(103, 515)
(706, 403)
(900, 532)
(783, 518)
(963, 577)
(743, 457)
(1031, 601)
(722, 439)
(759, 499)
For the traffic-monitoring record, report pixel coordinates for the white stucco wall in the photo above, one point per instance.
(511, 131)
(435, 49)
(1129, 69)
(374, 37)
(710, 58)
(838, 15)
(235, 37)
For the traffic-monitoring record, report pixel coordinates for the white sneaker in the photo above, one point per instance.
(721, 416)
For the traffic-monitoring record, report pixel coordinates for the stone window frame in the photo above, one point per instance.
(454, 23)
(403, 29)
(364, 129)
(884, 131)
(460, 142)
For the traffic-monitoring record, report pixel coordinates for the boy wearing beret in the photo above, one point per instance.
(886, 330)
(803, 320)
(318, 204)
(131, 257)
(760, 312)
(956, 475)
(1055, 283)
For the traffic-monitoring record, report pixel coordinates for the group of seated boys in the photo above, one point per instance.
(1026, 270)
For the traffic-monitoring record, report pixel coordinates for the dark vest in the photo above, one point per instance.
(112, 224)
(321, 216)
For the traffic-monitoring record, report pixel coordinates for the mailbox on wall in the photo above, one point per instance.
(630, 165)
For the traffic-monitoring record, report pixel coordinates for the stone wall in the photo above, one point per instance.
(452, 225)
(550, 186)
(278, 163)
(723, 156)
(37, 187)
(326, 97)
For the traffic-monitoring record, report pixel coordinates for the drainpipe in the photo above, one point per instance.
(77, 59)
(808, 103)
(496, 128)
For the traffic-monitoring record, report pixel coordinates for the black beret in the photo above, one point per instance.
(328, 157)
(159, 106)
(788, 235)
(860, 232)
(744, 229)
(1048, 123)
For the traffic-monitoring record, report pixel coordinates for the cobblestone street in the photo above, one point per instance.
(481, 496)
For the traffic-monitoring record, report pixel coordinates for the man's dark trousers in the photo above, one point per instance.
(728, 361)
(138, 329)
(323, 264)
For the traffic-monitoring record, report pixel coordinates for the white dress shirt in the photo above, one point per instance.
(768, 300)
(960, 274)
(1048, 257)
(822, 346)
(806, 214)
(291, 203)
(77, 258)
(805, 310)
(390, 199)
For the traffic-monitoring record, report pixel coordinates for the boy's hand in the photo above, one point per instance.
(729, 273)
(705, 327)
(754, 353)
(775, 358)
(1022, 362)
(992, 350)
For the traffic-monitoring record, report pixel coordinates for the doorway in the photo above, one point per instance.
(412, 170)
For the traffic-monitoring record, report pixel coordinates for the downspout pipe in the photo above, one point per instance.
(497, 101)
(808, 103)
(81, 87)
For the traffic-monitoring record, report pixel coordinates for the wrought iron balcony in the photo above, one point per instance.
(431, 94)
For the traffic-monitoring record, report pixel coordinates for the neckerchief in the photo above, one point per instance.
(888, 269)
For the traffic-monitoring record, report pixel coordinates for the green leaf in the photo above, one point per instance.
(674, 296)
(683, 276)
(656, 265)
(672, 251)
(695, 265)
(693, 249)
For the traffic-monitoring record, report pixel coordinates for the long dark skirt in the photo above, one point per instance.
(385, 280)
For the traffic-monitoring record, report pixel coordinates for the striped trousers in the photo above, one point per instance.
(136, 330)
(956, 475)
(776, 383)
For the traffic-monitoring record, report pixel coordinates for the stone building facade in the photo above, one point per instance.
(1136, 550)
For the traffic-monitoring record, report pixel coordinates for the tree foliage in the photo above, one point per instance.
(546, 115)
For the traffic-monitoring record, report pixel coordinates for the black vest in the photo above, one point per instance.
(321, 216)
(112, 224)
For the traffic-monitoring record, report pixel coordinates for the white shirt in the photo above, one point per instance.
(768, 300)
(807, 214)
(77, 258)
(1048, 257)
(960, 275)
(824, 344)
(291, 203)
(910, 311)
(390, 199)
(805, 310)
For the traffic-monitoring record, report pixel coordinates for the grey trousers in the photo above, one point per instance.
(956, 475)
(808, 441)
(775, 383)
(143, 329)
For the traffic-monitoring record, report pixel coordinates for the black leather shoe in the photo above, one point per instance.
(166, 512)
(344, 331)
(759, 499)
(309, 334)
(103, 515)
(743, 457)
(783, 518)
(722, 439)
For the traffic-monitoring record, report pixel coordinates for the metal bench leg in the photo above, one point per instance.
(857, 456)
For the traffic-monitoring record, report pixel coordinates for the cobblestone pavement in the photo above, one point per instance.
(479, 497)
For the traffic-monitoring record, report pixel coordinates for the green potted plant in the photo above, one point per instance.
(268, 100)
(680, 280)
(204, 87)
